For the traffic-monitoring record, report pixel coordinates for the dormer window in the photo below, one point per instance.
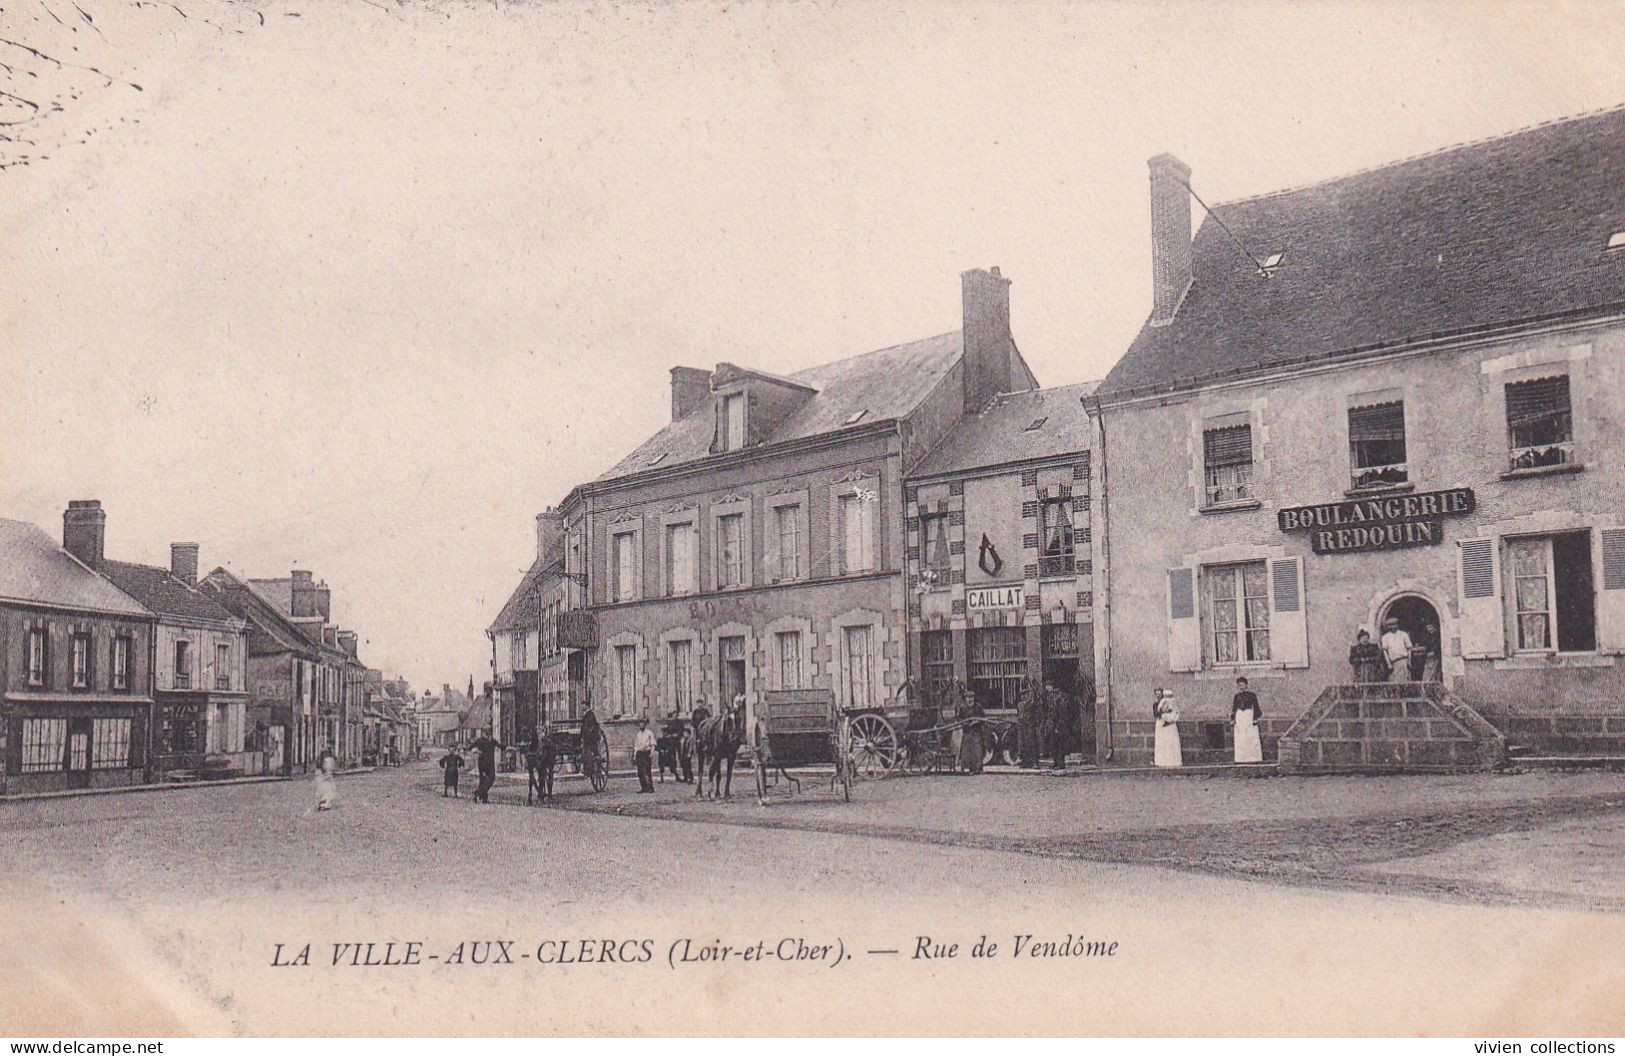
(1616, 241)
(1269, 265)
(733, 422)
(856, 416)
(1035, 425)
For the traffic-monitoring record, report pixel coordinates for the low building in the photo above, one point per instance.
(1392, 399)
(999, 567)
(201, 670)
(76, 672)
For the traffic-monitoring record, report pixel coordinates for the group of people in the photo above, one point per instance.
(1245, 711)
(452, 763)
(1396, 657)
(1046, 724)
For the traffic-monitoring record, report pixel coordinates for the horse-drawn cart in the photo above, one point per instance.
(917, 732)
(591, 759)
(800, 727)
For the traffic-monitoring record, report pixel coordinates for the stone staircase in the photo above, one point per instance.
(1390, 726)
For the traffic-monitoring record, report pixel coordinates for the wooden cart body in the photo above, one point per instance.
(800, 728)
(592, 760)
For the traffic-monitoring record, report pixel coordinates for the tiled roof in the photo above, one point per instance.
(34, 568)
(1001, 434)
(269, 630)
(478, 716)
(161, 592)
(523, 608)
(889, 383)
(1472, 237)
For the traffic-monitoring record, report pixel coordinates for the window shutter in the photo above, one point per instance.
(1289, 625)
(1184, 629)
(1611, 598)
(1228, 445)
(1481, 623)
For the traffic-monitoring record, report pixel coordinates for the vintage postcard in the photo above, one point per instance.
(813, 519)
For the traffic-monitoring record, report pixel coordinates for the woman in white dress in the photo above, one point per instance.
(1244, 715)
(327, 789)
(1166, 750)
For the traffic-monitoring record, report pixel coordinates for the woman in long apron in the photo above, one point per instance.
(1165, 750)
(1244, 716)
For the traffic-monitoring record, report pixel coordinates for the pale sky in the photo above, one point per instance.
(360, 287)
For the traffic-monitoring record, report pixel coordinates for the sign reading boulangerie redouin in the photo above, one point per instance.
(1390, 522)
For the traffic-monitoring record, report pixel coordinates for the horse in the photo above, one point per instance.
(718, 739)
(540, 757)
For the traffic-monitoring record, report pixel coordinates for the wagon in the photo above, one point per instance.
(916, 734)
(795, 728)
(590, 759)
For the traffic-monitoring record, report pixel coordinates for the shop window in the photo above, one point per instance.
(935, 549)
(79, 660)
(121, 662)
(43, 743)
(1055, 533)
(1552, 604)
(109, 744)
(730, 551)
(1540, 423)
(997, 665)
(937, 659)
(1227, 462)
(858, 643)
(787, 523)
(1235, 614)
(788, 644)
(38, 653)
(1377, 445)
(183, 664)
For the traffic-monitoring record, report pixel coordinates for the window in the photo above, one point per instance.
(1035, 425)
(733, 420)
(622, 583)
(787, 523)
(36, 656)
(1553, 605)
(626, 679)
(859, 646)
(43, 743)
(183, 664)
(1540, 425)
(121, 662)
(1227, 460)
(1616, 240)
(937, 659)
(1377, 445)
(730, 551)
(79, 655)
(997, 665)
(856, 416)
(680, 661)
(109, 744)
(226, 728)
(934, 547)
(682, 559)
(789, 646)
(1236, 613)
(222, 665)
(857, 531)
(1055, 533)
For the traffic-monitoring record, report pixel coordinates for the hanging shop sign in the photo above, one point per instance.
(1391, 522)
(994, 598)
(577, 629)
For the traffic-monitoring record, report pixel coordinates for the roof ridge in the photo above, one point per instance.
(877, 351)
(1437, 151)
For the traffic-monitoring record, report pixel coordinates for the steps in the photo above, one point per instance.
(1390, 726)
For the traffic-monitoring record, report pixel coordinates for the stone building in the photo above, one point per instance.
(999, 567)
(76, 704)
(200, 671)
(1394, 396)
(757, 542)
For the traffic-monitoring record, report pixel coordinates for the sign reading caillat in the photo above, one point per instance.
(1389, 522)
(994, 598)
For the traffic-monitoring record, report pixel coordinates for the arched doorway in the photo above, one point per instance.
(1418, 618)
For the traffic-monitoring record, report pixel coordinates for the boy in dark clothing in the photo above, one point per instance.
(452, 764)
(487, 747)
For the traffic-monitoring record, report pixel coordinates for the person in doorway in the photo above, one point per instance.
(972, 746)
(1029, 722)
(486, 748)
(1396, 650)
(643, 752)
(1165, 748)
(1059, 709)
(452, 764)
(1244, 715)
(327, 788)
(1431, 648)
(1365, 657)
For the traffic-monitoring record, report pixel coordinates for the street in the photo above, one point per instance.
(1380, 922)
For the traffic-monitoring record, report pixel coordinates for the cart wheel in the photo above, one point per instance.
(873, 746)
(598, 768)
(919, 752)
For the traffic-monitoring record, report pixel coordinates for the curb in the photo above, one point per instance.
(168, 786)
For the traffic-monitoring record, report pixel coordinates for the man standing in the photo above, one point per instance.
(487, 747)
(1029, 722)
(1058, 709)
(1396, 647)
(643, 749)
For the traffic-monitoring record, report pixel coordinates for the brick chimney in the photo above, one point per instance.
(183, 562)
(987, 341)
(349, 642)
(84, 531)
(549, 535)
(302, 600)
(690, 390)
(1170, 236)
